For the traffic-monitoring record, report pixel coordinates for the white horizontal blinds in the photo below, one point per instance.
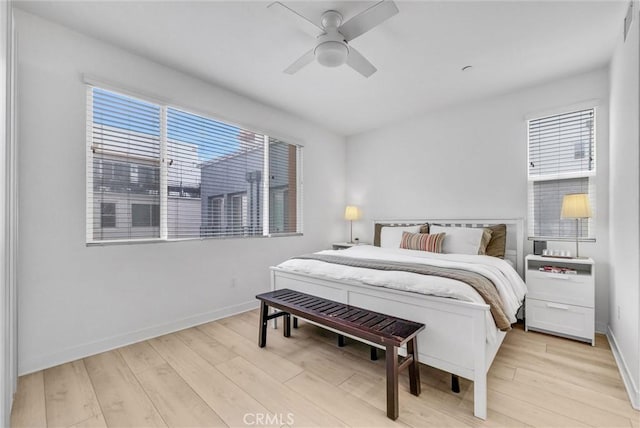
(546, 201)
(561, 162)
(124, 167)
(215, 177)
(562, 144)
(283, 187)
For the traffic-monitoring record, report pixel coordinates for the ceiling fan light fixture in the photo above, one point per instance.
(332, 47)
(332, 53)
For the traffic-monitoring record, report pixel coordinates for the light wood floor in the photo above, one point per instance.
(215, 375)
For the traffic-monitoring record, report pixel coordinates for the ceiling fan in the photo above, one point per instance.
(332, 47)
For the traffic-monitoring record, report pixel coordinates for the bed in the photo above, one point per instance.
(461, 336)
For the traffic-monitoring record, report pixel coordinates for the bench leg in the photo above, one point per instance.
(373, 353)
(295, 322)
(264, 314)
(455, 383)
(287, 325)
(414, 369)
(340, 340)
(392, 382)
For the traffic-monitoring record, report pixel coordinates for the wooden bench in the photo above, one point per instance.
(381, 329)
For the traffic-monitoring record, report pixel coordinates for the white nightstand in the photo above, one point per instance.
(345, 245)
(561, 303)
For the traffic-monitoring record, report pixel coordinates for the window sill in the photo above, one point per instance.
(163, 241)
(558, 239)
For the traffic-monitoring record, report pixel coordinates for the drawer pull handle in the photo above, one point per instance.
(557, 306)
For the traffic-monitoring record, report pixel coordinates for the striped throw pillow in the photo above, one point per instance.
(422, 241)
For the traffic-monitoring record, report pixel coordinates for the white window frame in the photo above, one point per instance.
(92, 82)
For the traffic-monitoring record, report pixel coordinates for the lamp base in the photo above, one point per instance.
(350, 231)
(577, 232)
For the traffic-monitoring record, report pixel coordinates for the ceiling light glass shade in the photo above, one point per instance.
(332, 54)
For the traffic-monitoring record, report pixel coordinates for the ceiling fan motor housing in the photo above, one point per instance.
(331, 19)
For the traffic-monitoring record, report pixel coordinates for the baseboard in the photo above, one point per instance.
(632, 388)
(92, 348)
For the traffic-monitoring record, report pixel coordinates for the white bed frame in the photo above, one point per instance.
(455, 338)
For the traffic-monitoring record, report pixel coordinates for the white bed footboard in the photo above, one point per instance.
(455, 338)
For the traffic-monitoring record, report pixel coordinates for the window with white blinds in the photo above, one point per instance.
(562, 160)
(159, 172)
(124, 166)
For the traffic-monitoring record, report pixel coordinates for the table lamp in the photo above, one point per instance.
(576, 205)
(351, 213)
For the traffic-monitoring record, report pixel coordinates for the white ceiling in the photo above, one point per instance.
(419, 53)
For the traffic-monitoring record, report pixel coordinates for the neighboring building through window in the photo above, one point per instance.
(239, 213)
(176, 175)
(562, 160)
(283, 167)
(145, 215)
(215, 216)
(107, 214)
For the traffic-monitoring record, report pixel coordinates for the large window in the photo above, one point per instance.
(562, 161)
(164, 173)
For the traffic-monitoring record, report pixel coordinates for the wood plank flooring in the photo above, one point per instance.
(215, 375)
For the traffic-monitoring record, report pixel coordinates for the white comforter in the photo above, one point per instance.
(507, 281)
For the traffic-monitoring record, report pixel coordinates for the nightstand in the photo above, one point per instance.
(345, 245)
(561, 297)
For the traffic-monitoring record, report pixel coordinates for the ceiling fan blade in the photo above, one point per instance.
(305, 59)
(359, 63)
(366, 20)
(303, 23)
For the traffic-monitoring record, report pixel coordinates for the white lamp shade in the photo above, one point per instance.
(351, 213)
(576, 205)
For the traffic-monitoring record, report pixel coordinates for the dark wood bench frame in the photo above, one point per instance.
(384, 330)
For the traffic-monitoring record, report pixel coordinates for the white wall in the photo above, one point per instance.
(76, 300)
(624, 206)
(5, 397)
(470, 161)
(8, 317)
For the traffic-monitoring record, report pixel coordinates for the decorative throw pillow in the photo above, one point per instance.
(486, 238)
(377, 231)
(462, 240)
(498, 242)
(422, 241)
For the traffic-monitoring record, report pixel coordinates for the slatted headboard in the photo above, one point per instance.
(514, 250)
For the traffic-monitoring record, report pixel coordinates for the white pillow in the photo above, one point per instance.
(390, 236)
(460, 240)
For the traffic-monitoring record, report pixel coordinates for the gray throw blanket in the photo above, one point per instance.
(480, 283)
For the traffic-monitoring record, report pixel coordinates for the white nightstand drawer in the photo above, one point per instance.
(561, 288)
(575, 321)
